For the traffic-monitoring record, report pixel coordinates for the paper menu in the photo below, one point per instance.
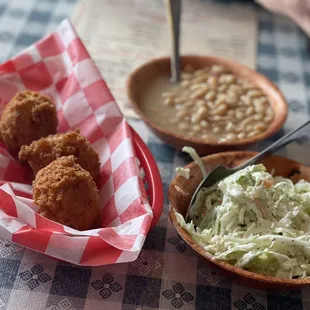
(122, 34)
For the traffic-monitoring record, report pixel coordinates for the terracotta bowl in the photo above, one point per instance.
(282, 166)
(142, 76)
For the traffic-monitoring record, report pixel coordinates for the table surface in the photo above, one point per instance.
(167, 275)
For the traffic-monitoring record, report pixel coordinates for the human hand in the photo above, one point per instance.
(297, 10)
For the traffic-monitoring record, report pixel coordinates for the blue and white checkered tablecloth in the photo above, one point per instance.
(167, 275)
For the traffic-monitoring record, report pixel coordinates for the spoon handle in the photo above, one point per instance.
(273, 147)
(174, 18)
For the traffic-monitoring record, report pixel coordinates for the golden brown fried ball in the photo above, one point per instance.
(42, 152)
(27, 117)
(67, 194)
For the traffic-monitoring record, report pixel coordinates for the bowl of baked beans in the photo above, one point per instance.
(218, 104)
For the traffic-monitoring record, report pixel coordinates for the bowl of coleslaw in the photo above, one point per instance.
(254, 225)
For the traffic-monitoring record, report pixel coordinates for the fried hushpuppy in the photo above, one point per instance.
(27, 117)
(42, 152)
(67, 194)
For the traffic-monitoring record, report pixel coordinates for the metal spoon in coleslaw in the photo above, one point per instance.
(254, 221)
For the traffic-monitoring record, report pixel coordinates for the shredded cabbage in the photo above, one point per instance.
(183, 172)
(193, 154)
(255, 221)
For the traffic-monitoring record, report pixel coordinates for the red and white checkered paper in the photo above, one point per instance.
(60, 66)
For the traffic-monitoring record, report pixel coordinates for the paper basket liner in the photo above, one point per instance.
(60, 66)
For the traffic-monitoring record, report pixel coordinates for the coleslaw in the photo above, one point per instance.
(255, 221)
